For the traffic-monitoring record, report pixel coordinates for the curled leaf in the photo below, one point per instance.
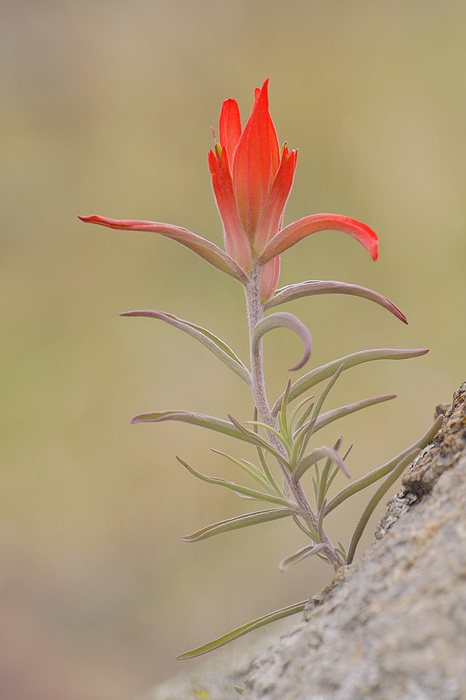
(284, 319)
(315, 287)
(204, 336)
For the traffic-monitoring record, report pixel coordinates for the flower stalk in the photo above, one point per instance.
(255, 309)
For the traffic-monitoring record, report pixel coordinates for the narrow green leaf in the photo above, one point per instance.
(200, 419)
(240, 521)
(306, 412)
(267, 473)
(282, 418)
(326, 391)
(375, 500)
(258, 440)
(314, 287)
(283, 319)
(319, 374)
(314, 456)
(219, 348)
(296, 519)
(337, 413)
(263, 459)
(237, 488)
(259, 424)
(381, 471)
(249, 468)
(324, 481)
(300, 440)
(244, 629)
(342, 551)
(318, 407)
(312, 532)
(308, 551)
(332, 476)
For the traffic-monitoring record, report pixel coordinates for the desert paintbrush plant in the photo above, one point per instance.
(252, 179)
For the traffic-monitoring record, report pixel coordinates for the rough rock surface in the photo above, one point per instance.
(392, 626)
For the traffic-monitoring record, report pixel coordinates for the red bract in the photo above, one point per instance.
(244, 167)
(252, 180)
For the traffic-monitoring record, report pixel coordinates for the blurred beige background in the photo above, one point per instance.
(106, 107)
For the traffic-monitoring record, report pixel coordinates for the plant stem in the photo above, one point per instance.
(256, 314)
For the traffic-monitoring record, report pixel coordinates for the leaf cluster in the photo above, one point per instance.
(285, 446)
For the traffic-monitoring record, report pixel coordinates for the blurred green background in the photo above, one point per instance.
(106, 107)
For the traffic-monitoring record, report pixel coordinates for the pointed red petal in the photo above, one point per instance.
(298, 230)
(205, 249)
(230, 127)
(256, 162)
(272, 214)
(236, 240)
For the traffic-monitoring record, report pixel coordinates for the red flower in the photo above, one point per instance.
(252, 180)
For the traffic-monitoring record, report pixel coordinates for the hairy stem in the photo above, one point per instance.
(255, 314)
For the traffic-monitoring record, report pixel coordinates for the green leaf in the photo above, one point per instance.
(200, 419)
(324, 480)
(326, 391)
(204, 336)
(318, 407)
(308, 551)
(314, 456)
(300, 439)
(319, 374)
(244, 629)
(258, 440)
(237, 488)
(337, 413)
(265, 467)
(283, 319)
(375, 500)
(282, 418)
(250, 469)
(259, 424)
(305, 412)
(314, 287)
(383, 470)
(240, 521)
